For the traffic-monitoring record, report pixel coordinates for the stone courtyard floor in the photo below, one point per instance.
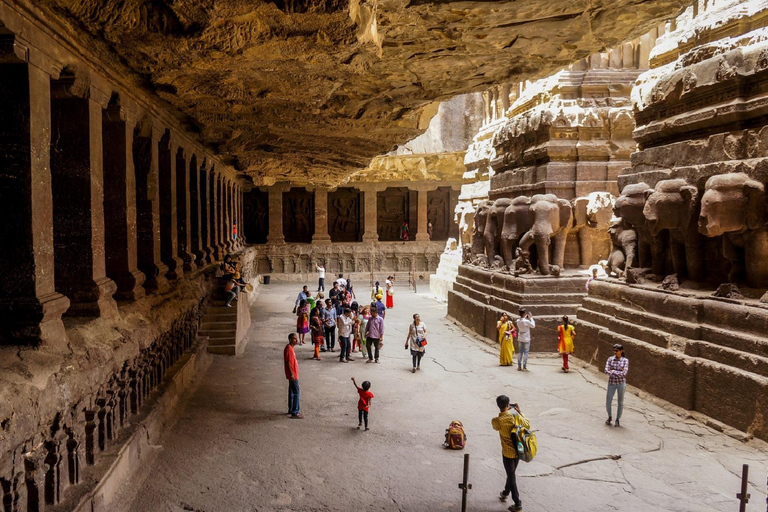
(234, 449)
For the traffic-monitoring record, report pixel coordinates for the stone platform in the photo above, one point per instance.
(702, 353)
(479, 297)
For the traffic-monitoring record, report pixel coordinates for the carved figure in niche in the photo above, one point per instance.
(493, 225)
(466, 254)
(733, 206)
(552, 218)
(592, 218)
(392, 212)
(345, 215)
(478, 233)
(629, 206)
(464, 216)
(517, 222)
(522, 264)
(623, 250)
(673, 207)
(436, 213)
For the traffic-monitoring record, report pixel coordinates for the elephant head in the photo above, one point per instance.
(629, 206)
(552, 218)
(493, 227)
(517, 221)
(478, 233)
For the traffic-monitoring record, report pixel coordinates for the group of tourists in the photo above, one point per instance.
(232, 279)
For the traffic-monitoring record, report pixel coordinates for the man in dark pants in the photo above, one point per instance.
(504, 423)
(292, 374)
(329, 325)
(374, 334)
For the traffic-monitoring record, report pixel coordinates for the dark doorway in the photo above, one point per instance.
(298, 216)
(256, 216)
(439, 212)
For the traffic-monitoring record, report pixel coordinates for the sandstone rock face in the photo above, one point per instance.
(313, 89)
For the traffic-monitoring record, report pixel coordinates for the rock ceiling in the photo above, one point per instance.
(311, 90)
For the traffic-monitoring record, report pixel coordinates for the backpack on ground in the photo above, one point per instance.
(455, 438)
(527, 445)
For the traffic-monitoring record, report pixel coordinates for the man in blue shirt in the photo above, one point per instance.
(303, 294)
(329, 325)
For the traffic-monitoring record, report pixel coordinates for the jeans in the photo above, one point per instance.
(612, 388)
(345, 347)
(510, 465)
(330, 337)
(416, 355)
(362, 415)
(522, 355)
(373, 348)
(293, 397)
(230, 295)
(321, 284)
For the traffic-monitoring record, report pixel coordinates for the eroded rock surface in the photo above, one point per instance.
(312, 89)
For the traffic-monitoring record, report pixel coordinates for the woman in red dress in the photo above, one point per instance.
(390, 292)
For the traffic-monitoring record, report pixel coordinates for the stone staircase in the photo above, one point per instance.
(701, 353)
(226, 327)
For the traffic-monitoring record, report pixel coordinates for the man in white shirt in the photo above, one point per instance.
(524, 325)
(321, 277)
(345, 322)
(341, 280)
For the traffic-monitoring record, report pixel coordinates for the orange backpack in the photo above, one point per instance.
(455, 438)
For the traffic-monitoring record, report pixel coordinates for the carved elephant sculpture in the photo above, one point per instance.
(623, 247)
(629, 206)
(478, 233)
(517, 222)
(672, 209)
(734, 206)
(592, 218)
(552, 218)
(493, 226)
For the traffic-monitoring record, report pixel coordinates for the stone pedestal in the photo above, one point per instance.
(321, 235)
(370, 233)
(421, 231)
(276, 215)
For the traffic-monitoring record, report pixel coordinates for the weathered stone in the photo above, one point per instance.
(729, 291)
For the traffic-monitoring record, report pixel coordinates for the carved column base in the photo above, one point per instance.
(33, 321)
(321, 239)
(189, 261)
(422, 237)
(372, 237)
(200, 257)
(155, 280)
(175, 268)
(129, 285)
(95, 301)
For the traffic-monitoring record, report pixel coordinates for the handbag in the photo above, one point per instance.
(421, 342)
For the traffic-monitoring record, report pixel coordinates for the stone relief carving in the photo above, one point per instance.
(592, 216)
(344, 215)
(392, 211)
(298, 216)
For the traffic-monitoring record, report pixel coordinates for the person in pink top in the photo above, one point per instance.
(292, 374)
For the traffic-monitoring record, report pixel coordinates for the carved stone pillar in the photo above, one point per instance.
(182, 208)
(421, 232)
(213, 205)
(167, 150)
(276, 215)
(78, 197)
(30, 307)
(370, 232)
(118, 123)
(228, 242)
(321, 235)
(205, 215)
(453, 230)
(195, 229)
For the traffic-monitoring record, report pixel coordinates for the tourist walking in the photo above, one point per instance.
(302, 320)
(565, 334)
(329, 322)
(363, 403)
(404, 230)
(376, 290)
(335, 296)
(390, 292)
(374, 334)
(506, 333)
(318, 332)
(365, 315)
(616, 367)
(292, 374)
(417, 337)
(504, 423)
(380, 307)
(303, 294)
(320, 277)
(350, 289)
(524, 325)
(345, 323)
(230, 292)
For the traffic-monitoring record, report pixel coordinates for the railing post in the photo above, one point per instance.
(464, 486)
(744, 495)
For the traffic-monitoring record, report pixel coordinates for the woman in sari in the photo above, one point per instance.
(565, 333)
(506, 331)
(302, 320)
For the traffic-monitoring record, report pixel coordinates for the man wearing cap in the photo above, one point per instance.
(616, 367)
(524, 325)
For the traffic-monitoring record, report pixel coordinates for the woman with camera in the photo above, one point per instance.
(417, 336)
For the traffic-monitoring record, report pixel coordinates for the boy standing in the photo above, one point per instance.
(504, 423)
(292, 374)
(364, 403)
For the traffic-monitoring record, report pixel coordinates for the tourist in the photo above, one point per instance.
(374, 334)
(227, 266)
(390, 292)
(329, 322)
(417, 336)
(404, 231)
(380, 307)
(230, 292)
(507, 332)
(377, 290)
(565, 335)
(524, 325)
(364, 403)
(504, 423)
(345, 322)
(592, 278)
(350, 289)
(303, 294)
(292, 374)
(321, 277)
(365, 315)
(302, 320)
(616, 367)
(321, 315)
(334, 296)
(341, 280)
(356, 338)
(318, 332)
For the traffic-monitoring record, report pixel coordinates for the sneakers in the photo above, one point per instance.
(519, 369)
(525, 368)
(367, 429)
(359, 425)
(377, 360)
(418, 367)
(227, 305)
(413, 370)
(502, 496)
(515, 507)
(343, 360)
(369, 361)
(608, 421)
(617, 424)
(297, 416)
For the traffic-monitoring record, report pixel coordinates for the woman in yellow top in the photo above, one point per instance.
(506, 330)
(566, 333)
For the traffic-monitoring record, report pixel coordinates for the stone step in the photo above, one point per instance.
(667, 323)
(223, 350)
(219, 340)
(736, 359)
(635, 331)
(736, 340)
(219, 333)
(216, 324)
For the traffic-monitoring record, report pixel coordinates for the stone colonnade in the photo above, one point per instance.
(104, 197)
